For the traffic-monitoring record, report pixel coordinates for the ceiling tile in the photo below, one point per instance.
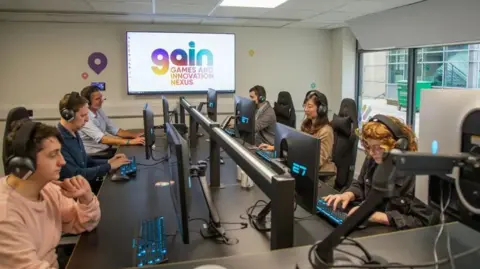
(182, 9)
(308, 25)
(49, 5)
(317, 6)
(365, 7)
(223, 21)
(213, 3)
(335, 25)
(123, 7)
(239, 12)
(334, 17)
(280, 13)
(266, 23)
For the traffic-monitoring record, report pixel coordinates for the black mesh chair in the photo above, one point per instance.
(17, 113)
(284, 110)
(345, 145)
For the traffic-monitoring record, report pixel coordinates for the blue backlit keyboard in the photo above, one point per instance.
(267, 155)
(337, 216)
(149, 246)
(230, 131)
(130, 168)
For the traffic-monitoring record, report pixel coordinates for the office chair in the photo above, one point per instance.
(17, 113)
(345, 144)
(284, 109)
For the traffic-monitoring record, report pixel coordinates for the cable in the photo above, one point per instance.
(462, 198)
(388, 265)
(442, 220)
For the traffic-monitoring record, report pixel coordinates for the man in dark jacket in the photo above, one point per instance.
(265, 118)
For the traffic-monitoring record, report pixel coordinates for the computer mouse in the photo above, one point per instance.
(118, 177)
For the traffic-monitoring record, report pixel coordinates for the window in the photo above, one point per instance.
(384, 83)
(454, 66)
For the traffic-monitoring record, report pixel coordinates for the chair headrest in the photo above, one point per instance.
(348, 108)
(342, 125)
(17, 113)
(285, 98)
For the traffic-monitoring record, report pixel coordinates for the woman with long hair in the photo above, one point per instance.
(316, 123)
(403, 211)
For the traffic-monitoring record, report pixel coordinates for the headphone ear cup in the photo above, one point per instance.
(20, 166)
(67, 114)
(402, 144)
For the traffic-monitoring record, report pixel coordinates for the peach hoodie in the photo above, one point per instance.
(30, 231)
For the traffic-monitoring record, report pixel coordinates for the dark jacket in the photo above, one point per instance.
(77, 160)
(265, 121)
(404, 211)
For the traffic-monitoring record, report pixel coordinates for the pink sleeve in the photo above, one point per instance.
(16, 248)
(76, 217)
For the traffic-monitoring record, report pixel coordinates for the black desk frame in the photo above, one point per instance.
(279, 188)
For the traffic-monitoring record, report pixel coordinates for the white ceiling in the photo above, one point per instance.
(319, 14)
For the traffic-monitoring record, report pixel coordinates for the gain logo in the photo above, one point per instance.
(179, 57)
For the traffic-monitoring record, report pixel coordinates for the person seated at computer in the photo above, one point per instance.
(265, 118)
(316, 123)
(36, 208)
(402, 211)
(99, 134)
(74, 114)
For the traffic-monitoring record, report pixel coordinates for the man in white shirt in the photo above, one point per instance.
(99, 134)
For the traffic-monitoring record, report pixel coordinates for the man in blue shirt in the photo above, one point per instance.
(74, 114)
(99, 134)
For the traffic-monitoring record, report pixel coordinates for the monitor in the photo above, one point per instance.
(148, 130)
(301, 153)
(179, 165)
(458, 132)
(179, 63)
(166, 112)
(212, 104)
(245, 119)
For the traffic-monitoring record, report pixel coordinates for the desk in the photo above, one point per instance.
(407, 247)
(125, 204)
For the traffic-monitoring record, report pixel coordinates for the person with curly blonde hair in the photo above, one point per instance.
(403, 211)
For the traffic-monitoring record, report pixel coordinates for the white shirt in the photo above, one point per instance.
(98, 125)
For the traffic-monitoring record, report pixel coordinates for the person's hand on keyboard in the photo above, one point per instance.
(137, 141)
(117, 161)
(343, 199)
(266, 147)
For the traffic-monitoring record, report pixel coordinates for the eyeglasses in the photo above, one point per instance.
(373, 148)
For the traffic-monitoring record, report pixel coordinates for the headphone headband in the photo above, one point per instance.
(22, 136)
(71, 98)
(401, 138)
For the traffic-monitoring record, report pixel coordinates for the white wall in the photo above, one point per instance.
(43, 61)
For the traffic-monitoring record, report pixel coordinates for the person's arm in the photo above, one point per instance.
(404, 211)
(265, 119)
(326, 144)
(91, 162)
(126, 134)
(17, 249)
(78, 216)
(71, 168)
(91, 130)
(358, 185)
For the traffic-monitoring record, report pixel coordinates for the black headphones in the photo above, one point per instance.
(68, 112)
(322, 109)
(261, 93)
(22, 163)
(401, 138)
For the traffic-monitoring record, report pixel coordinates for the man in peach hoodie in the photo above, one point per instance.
(35, 208)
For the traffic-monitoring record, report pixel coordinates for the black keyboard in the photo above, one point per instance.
(335, 216)
(267, 155)
(149, 246)
(129, 169)
(230, 131)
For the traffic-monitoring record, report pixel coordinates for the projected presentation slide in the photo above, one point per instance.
(180, 62)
